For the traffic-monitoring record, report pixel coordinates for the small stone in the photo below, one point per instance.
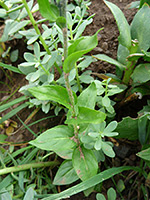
(98, 49)
(108, 53)
(105, 46)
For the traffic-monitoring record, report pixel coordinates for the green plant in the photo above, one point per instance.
(138, 4)
(64, 140)
(84, 124)
(132, 71)
(111, 194)
(132, 55)
(84, 140)
(42, 66)
(25, 173)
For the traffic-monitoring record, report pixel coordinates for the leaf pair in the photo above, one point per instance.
(83, 165)
(59, 94)
(80, 47)
(61, 139)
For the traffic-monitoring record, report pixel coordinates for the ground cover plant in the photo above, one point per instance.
(85, 138)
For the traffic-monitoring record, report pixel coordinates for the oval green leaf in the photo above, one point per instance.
(141, 73)
(55, 139)
(85, 163)
(88, 93)
(87, 116)
(48, 11)
(66, 174)
(79, 48)
(53, 93)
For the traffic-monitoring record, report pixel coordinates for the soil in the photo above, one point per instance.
(108, 44)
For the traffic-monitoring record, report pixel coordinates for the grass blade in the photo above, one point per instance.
(13, 112)
(9, 67)
(90, 182)
(8, 105)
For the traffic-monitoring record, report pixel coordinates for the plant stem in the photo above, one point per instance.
(63, 6)
(77, 77)
(28, 166)
(4, 5)
(47, 72)
(38, 32)
(15, 9)
(76, 68)
(36, 27)
(128, 72)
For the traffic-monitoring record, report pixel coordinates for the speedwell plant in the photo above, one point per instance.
(82, 141)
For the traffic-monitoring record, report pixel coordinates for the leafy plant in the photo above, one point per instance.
(40, 66)
(54, 69)
(132, 55)
(22, 172)
(83, 121)
(132, 71)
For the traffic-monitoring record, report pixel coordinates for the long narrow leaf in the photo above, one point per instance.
(16, 153)
(13, 112)
(140, 27)
(8, 105)
(110, 60)
(123, 26)
(11, 68)
(90, 182)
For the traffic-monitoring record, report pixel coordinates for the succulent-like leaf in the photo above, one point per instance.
(29, 194)
(108, 150)
(111, 193)
(111, 126)
(100, 197)
(19, 26)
